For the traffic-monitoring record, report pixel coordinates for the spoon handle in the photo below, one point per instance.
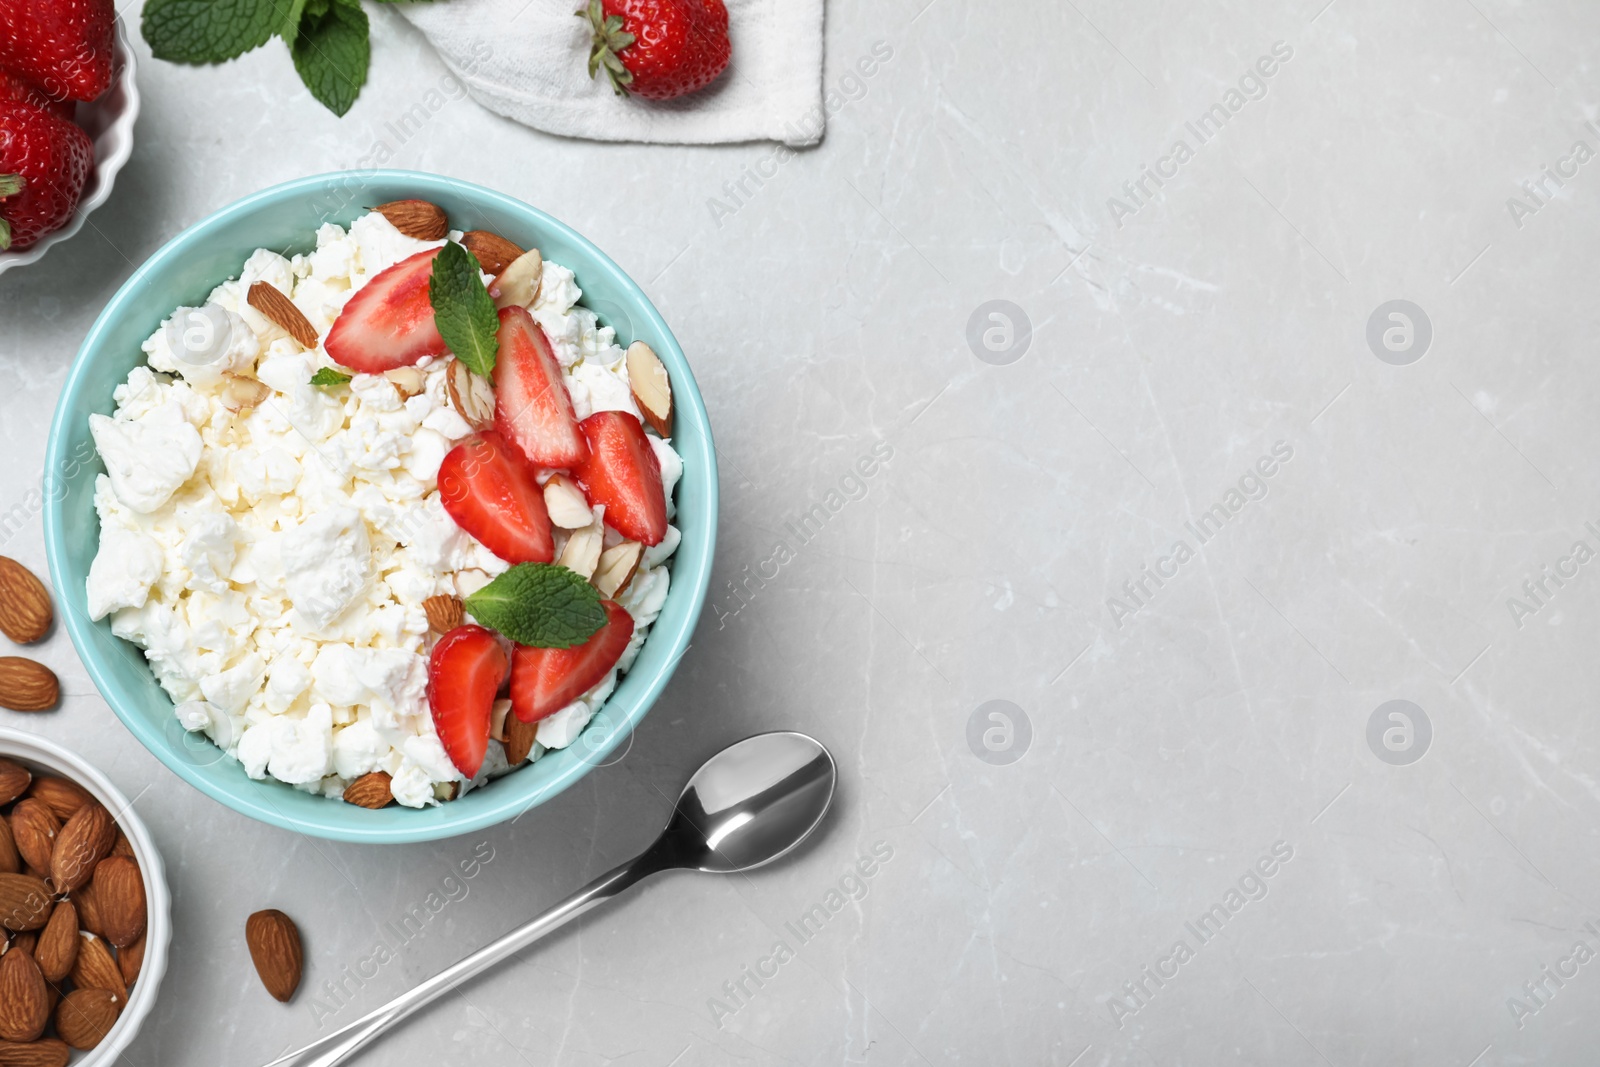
(341, 1044)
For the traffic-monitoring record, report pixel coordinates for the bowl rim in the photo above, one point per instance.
(38, 750)
(105, 170)
(252, 798)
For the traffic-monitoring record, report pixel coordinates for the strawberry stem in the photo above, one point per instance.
(608, 42)
(11, 184)
(5, 235)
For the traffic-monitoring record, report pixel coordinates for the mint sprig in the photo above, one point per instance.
(463, 310)
(327, 376)
(329, 40)
(540, 605)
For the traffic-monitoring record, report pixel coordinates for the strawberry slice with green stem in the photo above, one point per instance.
(623, 473)
(545, 680)
(465, 672)
(531, 407)
(490, 492)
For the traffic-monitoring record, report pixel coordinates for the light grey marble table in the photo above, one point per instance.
(1197, 833)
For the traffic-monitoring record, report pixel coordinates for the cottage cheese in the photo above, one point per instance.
(272, 562)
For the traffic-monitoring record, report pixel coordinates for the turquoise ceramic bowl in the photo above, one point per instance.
(285, 218)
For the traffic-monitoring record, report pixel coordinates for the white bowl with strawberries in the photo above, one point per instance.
(396, 519)
(68, 103)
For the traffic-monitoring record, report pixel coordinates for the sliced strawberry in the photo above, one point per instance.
(389, 323)
(531, 405)
(489, 489)
(545, 680)
(622, 473)
(464, 674)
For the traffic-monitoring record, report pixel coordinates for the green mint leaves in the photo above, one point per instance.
(540, 605)
(328, 39)
(209, 31)
(328, 376)
(331, 52)
(463, 310)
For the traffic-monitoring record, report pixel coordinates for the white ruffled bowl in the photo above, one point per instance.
(109, 123)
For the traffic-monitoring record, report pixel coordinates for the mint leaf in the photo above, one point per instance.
(540, 605)
(209, 31)
(328, 376)
(331, 52)
(463, 309)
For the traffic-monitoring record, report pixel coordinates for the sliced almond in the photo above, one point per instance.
(582, 551)
(271, 302)
(408, 381)
(494, 253)
(498, 717)
(652, 389)
(445, 613)
(416, 218)
(471, 395)
(518, 284)
(618, 564)
(241, 394)
(568, 507)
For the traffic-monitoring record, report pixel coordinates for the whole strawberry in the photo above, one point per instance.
(14, 87)
(62, 45)
(658, 49)
(44, 162)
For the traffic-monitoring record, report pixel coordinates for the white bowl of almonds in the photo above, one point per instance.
(84, 908)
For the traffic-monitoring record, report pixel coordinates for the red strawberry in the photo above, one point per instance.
(62, 45)
(389, 323)
(658, 49)
(44, 162)
(464, 674)
(15, 88)
(531, 405)
(545, 680)
(622, 473)
(489, 490)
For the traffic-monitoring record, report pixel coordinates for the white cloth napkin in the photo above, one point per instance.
(528, 60)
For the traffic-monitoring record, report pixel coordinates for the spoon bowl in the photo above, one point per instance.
(750, 804)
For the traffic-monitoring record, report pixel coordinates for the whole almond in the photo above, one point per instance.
(494, 253)
(34, 829)
(10, 859)
(119, 890)
(24, 1002)
(25, 612)
(62, 796)
(444, 612)
(57, 949)
(519, 739)
(84, 841)
(26, 685)
(89, 910)
(25, 903)
(14, 780)
(416, 218)
(95, 967)
(46, 1052)
(130, 961)
(86, 1016)
(271, 302)
(123, 847)
(274, 943)
(369, 791)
